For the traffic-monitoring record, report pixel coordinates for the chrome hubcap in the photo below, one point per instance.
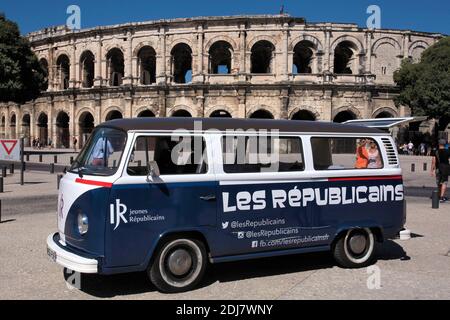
(179, 262)
(358, 243)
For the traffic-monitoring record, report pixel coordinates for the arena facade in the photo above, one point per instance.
(271, 66)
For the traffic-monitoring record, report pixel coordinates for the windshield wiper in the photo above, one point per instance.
(80, 168)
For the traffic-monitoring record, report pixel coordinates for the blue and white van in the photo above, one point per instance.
(170, 195)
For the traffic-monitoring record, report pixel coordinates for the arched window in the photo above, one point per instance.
(63, 68)
(344, 116)
(114, 114)
(147, 65)
(220, 114)
(62, 130)
(146, 114)
(115, 67)
(44, 64)
(345, 58)
(182, 114)
(303, 57)
(181, 63)
(220, 56)
(43, 128)
(261, 114)
(262, 57)
(86, 126)
(304, 115)
(87, 69)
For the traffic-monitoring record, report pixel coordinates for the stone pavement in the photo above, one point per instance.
(27, 273)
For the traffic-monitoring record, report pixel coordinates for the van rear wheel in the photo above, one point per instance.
(178, 266)
(355, 249)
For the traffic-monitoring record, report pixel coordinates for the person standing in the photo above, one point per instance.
(440, 167)
(410, 148)
(75, 141)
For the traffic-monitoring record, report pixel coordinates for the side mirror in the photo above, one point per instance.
(152, 170)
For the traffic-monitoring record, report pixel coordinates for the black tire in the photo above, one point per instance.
(178, 266)
(358, 254)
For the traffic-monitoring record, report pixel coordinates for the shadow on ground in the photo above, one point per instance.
(137, 283)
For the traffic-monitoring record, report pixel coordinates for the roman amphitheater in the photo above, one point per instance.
(271, 66)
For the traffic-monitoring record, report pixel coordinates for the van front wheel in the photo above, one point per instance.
(355, 249)
(179, 265)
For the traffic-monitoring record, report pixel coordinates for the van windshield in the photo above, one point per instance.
(102, 153)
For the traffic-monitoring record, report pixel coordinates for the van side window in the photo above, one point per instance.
(247, 154)
(174, 156)
(346, 153)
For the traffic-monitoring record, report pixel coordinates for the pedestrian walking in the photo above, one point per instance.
(440, 167)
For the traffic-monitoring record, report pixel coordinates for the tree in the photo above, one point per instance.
(425, 86)
(22, 77)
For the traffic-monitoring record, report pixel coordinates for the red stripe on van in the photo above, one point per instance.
(94, 183)
(366, 178)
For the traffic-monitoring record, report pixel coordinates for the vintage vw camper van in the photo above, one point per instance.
(170, 195)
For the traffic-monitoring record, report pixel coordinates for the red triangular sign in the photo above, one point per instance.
(9, 145)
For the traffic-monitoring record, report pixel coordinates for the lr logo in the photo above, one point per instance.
(116, 213)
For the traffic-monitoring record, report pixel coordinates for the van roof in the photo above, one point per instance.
(222, 124)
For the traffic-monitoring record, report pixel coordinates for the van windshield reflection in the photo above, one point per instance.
(102, 153)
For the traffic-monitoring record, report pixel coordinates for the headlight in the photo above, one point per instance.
(83, 223)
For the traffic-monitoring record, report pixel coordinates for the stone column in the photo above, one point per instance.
(98, 64)
(284, 96)
(285, 55)
(128, 77)
(369, 35)
(33, 128)
(327, 58)
(73, 68)
(72, 122)
(242, 54)
(198, 76)
(162, 104)
(51, 124)
(7, 124)
(242, 100)
(406, 39)
(51, 79)
(161, 57)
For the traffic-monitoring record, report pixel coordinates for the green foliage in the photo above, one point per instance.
(425, 86)
(21, 75)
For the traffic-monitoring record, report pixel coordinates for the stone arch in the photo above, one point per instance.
(311, 110)
(153, 109)
(141, 45)
(62, 121)
(306, 37)
(220, 38)
(417, 44)
(215, 109)
(86, 124)
(176, 109)
(42, 126)
(181, 58)
(260, 112)
(350, 110)
(345, 58)
(115, 66)
(220, 54)
(87, 68)
(63, 70)
(43, 61)
(256, 39)
(146, 65)
(348, 38)
(262, 57)
(384, 40)
(387, 110)
(3, 125)
(108, 113)
(13, 123)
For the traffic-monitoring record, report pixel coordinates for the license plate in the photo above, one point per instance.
(51, 254)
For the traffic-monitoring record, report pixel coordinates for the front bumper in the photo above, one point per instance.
(64, 257)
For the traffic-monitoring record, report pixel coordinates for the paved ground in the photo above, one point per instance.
(27, 273)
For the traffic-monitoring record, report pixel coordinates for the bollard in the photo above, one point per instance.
(71, 160)
(0, 211)
(40, 158)
(55, 159)
(435, 199)
(1, 185)
(11, 168)
(28, 157)
(58, 180)
(24, 166)
(52, 168)
(413, 167)
(425, 166)
(4, 172)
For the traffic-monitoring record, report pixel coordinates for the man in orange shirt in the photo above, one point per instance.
(362, 157)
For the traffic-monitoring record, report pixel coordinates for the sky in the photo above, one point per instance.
(429, 16)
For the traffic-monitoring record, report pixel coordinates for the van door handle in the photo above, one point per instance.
(208, 198)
